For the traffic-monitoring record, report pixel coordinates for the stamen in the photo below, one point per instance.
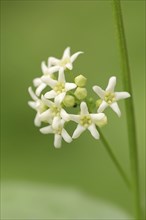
(85, 120)
(109, 97)
(59, 88)
(55, 110)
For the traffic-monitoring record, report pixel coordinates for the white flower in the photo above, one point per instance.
(54, 110)
(65, 62)
(54, 65)
(59, 132)
(38, 83)
(37, 105)
(87, 121)
(59, 87)
(109, 97)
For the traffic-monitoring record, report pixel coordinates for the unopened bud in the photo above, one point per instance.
(80, 80)
(102, 122)
(69, 101)
(81, 93)
(98, 103)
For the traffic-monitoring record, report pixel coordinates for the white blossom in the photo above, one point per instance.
(59, 132)
(54, 111)
(38, 83)
(66, 62)
(86, 120)
(38, 105)
(59, 87)
(49, 105)
(109, 97)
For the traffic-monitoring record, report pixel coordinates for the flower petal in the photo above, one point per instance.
(115, 108)
(93, 131)
(50, 95)
(46, 130)
(46, 101)
(59, 98)
(121, 95)
(57, 140)
(40, 88)
(111, 84)
(70, 86)
(46, 115)
(56, 122)
(38, 104)
(84, 108)
(37, 82)
(102, 107)
(66, 53)
(97, 117)
(44, 68)
(49, 81)
(52, 61)
(78, 131)
(69, 66)
(99, 91)
(64, 115)
(75, 118)
(61, 76)
(32, 104)
(53, 69)
(75, 55)
(66, 136)
(32, 94)
(37, 120)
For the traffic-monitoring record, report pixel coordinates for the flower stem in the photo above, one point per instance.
(109, 150)
(129, 106)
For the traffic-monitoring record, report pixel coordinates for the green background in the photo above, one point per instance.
(31, 32)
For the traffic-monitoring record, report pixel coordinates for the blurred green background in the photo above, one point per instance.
(31, 31)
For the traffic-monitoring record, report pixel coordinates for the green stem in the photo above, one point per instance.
(115, 161)
(129, 106)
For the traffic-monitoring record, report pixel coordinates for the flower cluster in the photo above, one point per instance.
(54, 97)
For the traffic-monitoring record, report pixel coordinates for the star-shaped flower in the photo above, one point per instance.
(54, 111)
(59, 87)
(38, 83)
(38, 105)
(109, 97)
(88, 121)
(59, 132)
(65, 62)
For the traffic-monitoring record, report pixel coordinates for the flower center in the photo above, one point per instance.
(42, 107)
(58, 130)
(64, 62)
(85, 120)
(55, 110)
(60, 87)
(109, 97)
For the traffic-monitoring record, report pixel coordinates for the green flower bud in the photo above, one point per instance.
(80, 80)
(98, 103)
(102, 122)
(69, 101)
(81, 93)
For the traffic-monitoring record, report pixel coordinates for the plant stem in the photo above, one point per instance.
(129, 106)
(109, 150)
